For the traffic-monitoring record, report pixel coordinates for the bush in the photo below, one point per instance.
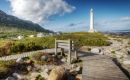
(50, 59)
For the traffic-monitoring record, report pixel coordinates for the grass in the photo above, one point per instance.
(32, 44)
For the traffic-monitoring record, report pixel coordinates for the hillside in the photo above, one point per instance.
(9, 23)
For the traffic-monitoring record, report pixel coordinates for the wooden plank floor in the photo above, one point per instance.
(100, 67)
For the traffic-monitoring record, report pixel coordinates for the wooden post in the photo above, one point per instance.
(69, 51)
(62, 52)
(55, 47)
(76, 55)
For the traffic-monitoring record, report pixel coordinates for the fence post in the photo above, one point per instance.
(55, 47)
(69, 51)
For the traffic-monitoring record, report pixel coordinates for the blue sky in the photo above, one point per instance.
(72, 15)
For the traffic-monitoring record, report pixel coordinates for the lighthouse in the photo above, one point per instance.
(92, 21)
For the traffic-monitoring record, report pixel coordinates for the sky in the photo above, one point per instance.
(71, 15)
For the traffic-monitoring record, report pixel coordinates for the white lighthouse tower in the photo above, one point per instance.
(92, 21)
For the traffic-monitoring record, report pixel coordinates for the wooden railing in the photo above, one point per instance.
(66, 44)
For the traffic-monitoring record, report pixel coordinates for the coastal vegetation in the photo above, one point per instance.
(14, 46)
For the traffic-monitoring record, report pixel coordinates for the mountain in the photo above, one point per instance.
(9, 23)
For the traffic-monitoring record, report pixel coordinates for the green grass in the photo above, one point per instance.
(32, 44)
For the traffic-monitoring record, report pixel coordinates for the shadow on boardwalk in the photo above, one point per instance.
(99, 67)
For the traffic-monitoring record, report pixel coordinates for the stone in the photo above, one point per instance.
(95, 50)
(20, 61)
(126, 62)
(119, 54)
(74, 71)
(44, 58)
(46, 70)
(64, 60)
(73, 66)
(34, 75)
(10, 78)
(44, 75)
(29, 62)
(73, 60)
(78, 77)
(18, 76)
(78, 68)
(29, 68)
(58, 73)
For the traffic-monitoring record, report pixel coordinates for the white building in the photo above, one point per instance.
(40, 35)
(92, 21)
(20, 37)
(31, 36)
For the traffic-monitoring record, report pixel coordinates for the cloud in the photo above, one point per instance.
(124, 19)
(39, 11)
(75, 24)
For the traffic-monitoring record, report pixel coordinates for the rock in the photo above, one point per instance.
(64, 60)
(78, 77)
(46, 70)
(126, 62)
(78, 68)
(44, 75)
(34, 75)
(119, 54)
(102, 53)
(44, 58)
(10, 78)
(29, 62)
(58, 73)
(20, 61)
(73, 66)
(29, 68)
(95, 50)
(18, 76)
(73, 60)
(74, 71)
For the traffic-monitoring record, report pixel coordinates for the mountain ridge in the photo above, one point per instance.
(9, 23)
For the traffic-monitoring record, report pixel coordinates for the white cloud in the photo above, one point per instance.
(124, 19)
(39, 11)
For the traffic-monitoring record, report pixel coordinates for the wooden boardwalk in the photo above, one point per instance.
(100, 67)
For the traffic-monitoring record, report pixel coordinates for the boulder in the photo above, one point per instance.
(44, 58)
(95, 50)
(126, 62)
(29, 68)
(78, 68)
(29, 62)
(44, 75)
(119, 54)
(46, 70)
(64, 60)
(74, 71)
(73, 60)
(78, 77)
(73, 66)
(58, 73)
(20, 61)
(34, 75)
(10, 78)
(18, 76)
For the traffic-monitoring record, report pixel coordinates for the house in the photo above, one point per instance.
(20, 37)
(40, 35)
(31, 36)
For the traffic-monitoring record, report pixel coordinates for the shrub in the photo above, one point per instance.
(50, 59)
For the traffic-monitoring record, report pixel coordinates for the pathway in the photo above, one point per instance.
(26, 54)
(100, 67)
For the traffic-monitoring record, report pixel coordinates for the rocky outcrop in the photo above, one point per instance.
(58, 73)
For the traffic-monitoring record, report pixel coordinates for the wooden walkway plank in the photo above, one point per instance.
(100, 67)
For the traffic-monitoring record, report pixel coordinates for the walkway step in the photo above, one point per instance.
(100, 67)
